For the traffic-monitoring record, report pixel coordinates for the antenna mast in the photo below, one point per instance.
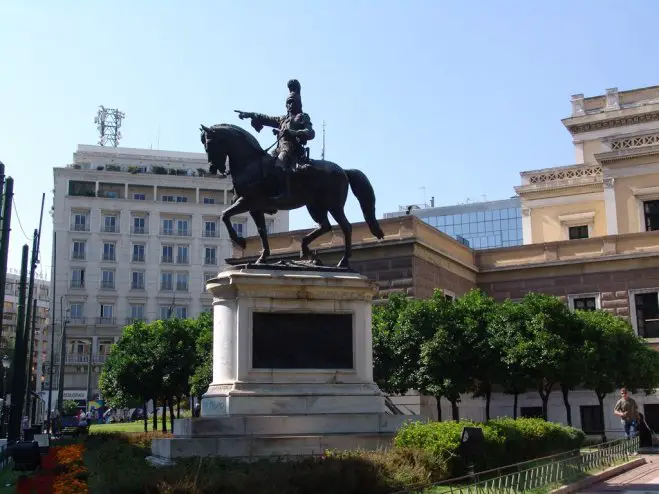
(108, 121)
(322, 153)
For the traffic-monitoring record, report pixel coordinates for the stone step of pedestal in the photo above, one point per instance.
(260, 425)
(246, 447)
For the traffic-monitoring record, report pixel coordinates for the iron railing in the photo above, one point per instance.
(542, 472)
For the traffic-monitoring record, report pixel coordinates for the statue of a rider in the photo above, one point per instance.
(293, 131)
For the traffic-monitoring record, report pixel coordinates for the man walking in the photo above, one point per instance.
(627, 410)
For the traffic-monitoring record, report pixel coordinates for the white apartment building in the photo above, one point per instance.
(138, 233)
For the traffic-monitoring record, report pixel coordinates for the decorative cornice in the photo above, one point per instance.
(558, 185)
(612, 123)
(626, 154)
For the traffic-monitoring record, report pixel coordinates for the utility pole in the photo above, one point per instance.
(25, 342)
(35, 258)
(28, 387)
(52, 334)
(62, 362)
(17, 385)
(4, 243)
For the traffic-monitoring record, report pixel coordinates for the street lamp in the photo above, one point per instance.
(6, 363)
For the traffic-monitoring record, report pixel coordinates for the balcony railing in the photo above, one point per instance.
(110, 228)
(167, 259)
(107, 284)
(181, 287)
(77, 284)
(131, 320)
(76, 321)
(210, 260)
(181, 232)
(139, 230)
(182, 260)
(78, 227)
(82, 358)
(210, 233)
(137, 286)
(166, 286)
(106, 321)
(138, 258)
(79, 256)
(107, 256)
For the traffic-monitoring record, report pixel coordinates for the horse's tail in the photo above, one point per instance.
(363, 190)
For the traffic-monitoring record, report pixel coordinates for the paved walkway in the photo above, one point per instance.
(643, 479)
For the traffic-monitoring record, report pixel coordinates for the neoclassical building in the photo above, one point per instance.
(589, 237)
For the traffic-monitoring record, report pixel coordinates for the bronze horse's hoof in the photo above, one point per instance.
(241, 242)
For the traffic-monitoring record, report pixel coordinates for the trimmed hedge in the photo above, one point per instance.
(423, 453)
(507, 441)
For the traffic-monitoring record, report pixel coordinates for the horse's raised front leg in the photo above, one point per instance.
(346, 228)
(259, 220)
(320, 217)
(236, 208)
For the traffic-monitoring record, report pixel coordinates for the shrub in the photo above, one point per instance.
(442, 439)
(69, 408)
(530, 438)
(507, 441)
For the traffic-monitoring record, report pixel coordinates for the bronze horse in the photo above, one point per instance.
(322, 187)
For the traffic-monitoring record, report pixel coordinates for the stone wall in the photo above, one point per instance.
(613, 286)
(392, 275)
(428, 277)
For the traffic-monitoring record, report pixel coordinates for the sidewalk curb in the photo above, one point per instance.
(599, 477)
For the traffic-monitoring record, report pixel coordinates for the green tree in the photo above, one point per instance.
(508, 333)
(542, 348)
(572, 368)
(473, 316)
(611, 352)
(447, 354)
(391, 364)
(133, 367)
(203, 372)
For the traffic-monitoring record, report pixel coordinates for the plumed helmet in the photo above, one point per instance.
(295, 89)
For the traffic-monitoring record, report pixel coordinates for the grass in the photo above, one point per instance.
(137, 426)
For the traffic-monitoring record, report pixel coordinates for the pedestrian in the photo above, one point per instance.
(627, 410)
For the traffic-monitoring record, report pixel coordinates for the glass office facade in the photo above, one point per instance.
(500, 227)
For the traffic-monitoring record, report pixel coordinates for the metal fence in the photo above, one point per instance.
(536, 474)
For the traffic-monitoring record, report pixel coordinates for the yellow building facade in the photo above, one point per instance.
(613, 186)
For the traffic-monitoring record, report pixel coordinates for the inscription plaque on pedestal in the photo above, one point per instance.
(302, 341)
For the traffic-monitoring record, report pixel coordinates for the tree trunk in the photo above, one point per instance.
(515, 400)
(146, 417)
(568, 408)
(164, 415)
(600, 399)
(454, 410)
(171, 414)
(488, 399)
(155, 414)
(544, 390)
(439, 408)
(178, 407)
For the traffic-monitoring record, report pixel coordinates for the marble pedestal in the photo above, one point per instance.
(292, 368)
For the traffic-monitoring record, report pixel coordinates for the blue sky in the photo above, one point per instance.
(456, 97)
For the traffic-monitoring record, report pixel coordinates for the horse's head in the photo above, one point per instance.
(226, 140)
(215, 149)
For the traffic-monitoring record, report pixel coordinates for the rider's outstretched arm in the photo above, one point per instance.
(307, 128)
(266, 120)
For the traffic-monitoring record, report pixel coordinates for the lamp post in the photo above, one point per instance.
(6, 363)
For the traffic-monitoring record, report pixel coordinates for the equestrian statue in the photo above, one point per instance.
(286, 179)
